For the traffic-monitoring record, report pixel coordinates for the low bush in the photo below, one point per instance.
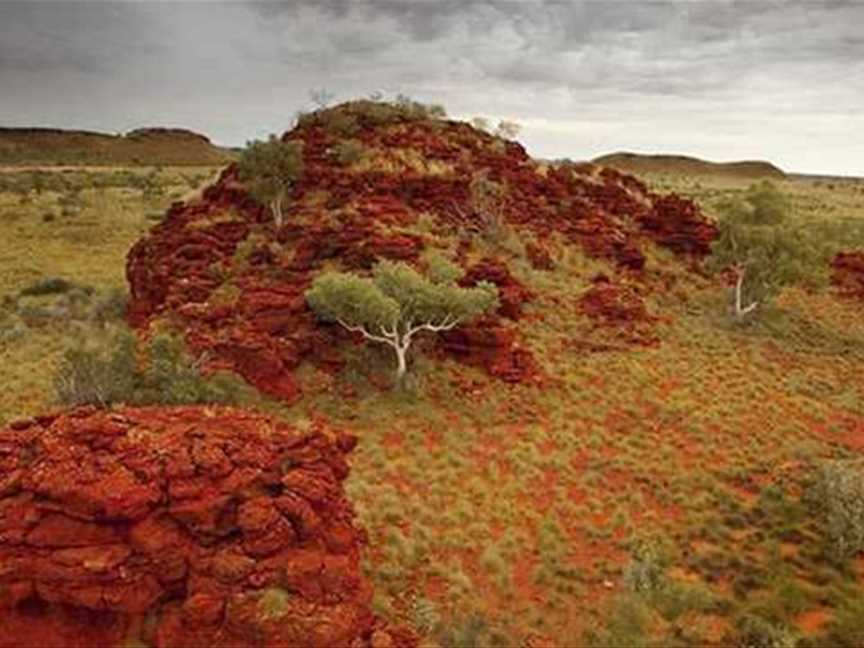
(836, 495)
(50, 286)
(473, 631)
(349, 152)
(645, 572)
(752, 631)
(111, 370)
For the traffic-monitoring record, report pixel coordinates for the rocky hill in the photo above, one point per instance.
(141, 147)
(640, 163)
(221, 270)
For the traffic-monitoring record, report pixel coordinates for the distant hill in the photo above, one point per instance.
(144, 146)
(684, 165)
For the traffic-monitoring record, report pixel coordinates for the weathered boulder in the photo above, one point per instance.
(180, 527)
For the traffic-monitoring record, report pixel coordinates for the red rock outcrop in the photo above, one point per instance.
(512, 293)
(222, 271)
(620, 308)
(179, 527)
(848, 274)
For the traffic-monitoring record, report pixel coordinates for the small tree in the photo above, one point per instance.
(762, 248)
(397, 303)
(269, 168)
(507, 129)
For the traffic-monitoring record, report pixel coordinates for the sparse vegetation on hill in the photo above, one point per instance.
(681, 165)
(603, 460)
(141, 147)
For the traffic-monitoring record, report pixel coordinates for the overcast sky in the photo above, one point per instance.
(721, 79)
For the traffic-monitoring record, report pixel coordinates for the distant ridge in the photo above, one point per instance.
(139, 147)
(685, 165)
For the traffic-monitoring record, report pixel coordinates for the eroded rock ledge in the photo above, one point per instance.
(179, 527)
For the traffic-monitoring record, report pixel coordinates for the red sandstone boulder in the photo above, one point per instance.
(178, 527)
(620, 308)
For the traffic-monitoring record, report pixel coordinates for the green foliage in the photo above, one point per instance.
(440, 269)
(344, 120)
(488, 202)
(50, 286)
(767, 250)
(645, 572)
(753, 631)
(472, 631)
(626, 626)
(836, 494)
(846, 630)
(396, 303)
(273, 603)
(349, 151)
(108, 370)
(396, 296)
(268, 168)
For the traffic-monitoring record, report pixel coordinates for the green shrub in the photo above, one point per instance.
(50, 286)
(268, 169)
(472, 631)
(98, 373)
(488, 204)
(108, 370)
(110, 306)
(753, 631)
(846, 629)
(645, 572)
(626, 626)
(349, 151)
(836, 494)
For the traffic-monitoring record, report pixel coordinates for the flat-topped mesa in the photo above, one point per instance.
(383, 182)
(187, 526)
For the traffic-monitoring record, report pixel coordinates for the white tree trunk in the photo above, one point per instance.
(401, 358)
(276, 207)
(741, 311)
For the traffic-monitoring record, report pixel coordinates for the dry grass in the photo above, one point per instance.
(523, 505)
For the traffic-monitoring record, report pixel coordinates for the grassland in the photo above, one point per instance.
(527, 507)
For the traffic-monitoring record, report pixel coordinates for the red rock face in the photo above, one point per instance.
(512, 293)
(178, 527)
(235, 284)
(848, 274)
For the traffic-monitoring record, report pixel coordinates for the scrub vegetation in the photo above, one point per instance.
(701, 488)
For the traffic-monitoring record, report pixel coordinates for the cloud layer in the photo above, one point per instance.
(719, 79)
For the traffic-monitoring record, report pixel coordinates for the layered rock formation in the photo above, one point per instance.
(235, 283)
(176, 528)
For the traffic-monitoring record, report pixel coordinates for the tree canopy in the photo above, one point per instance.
(397, 302)
(268, 168)
(765, 248)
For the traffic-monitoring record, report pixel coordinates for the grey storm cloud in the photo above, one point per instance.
(723, 79)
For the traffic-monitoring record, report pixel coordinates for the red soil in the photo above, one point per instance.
(848, 273)
(350, 218)
(179, 527)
